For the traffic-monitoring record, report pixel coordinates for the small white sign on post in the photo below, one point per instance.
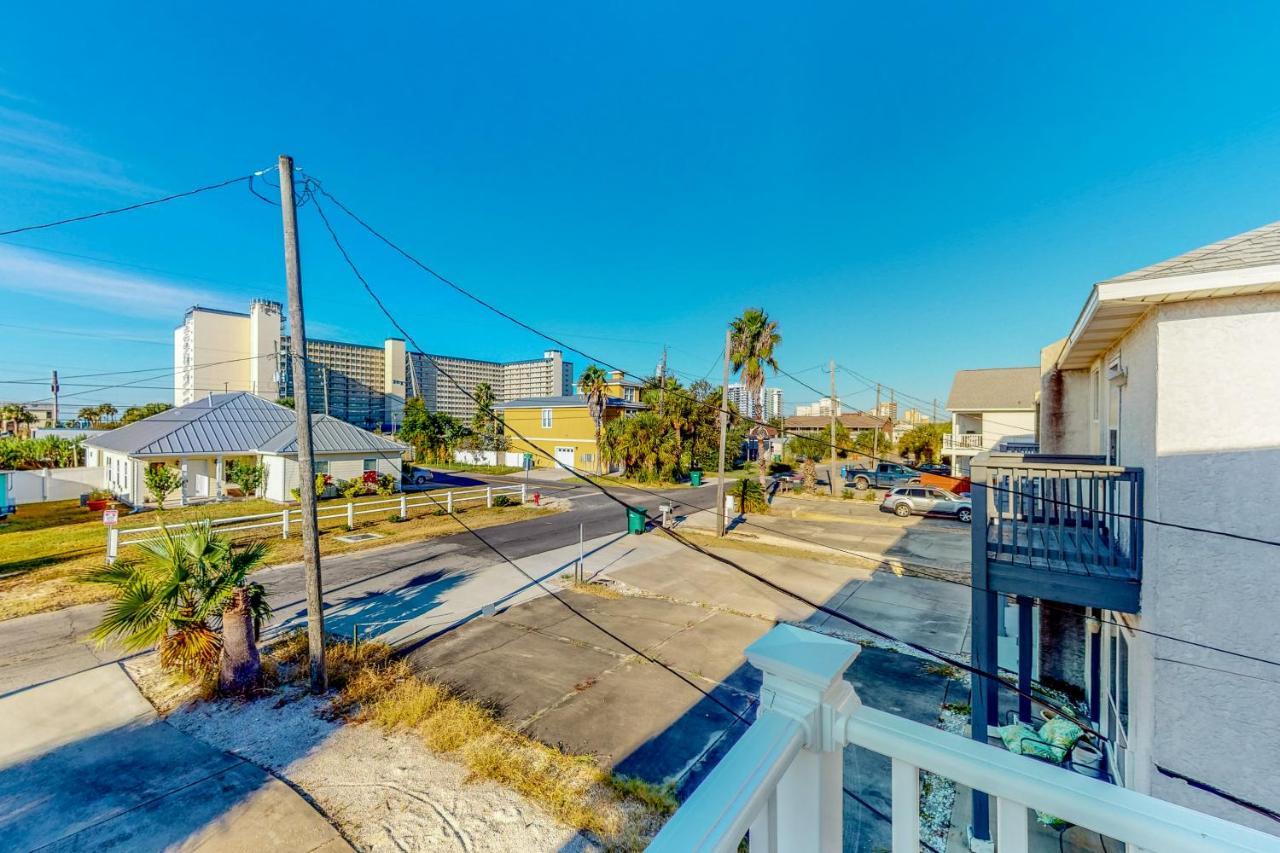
(110, 517)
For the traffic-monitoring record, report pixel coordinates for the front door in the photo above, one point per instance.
(564, 457)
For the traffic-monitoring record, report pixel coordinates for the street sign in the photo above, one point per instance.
(528, 461)
(110, 517)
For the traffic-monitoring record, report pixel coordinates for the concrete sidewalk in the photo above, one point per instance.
(87, 765)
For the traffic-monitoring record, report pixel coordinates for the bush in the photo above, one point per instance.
(751, 496)
(506, 500)
(162, 481)
(847, 494)
(351, 488)
(386, 485)
(247, 476)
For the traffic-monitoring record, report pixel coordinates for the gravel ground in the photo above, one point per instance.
(385, 792)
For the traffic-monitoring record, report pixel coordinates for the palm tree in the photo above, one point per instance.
(106, 412)
(9, 415)
(484, 422)
(189, 596)
(23, 418)
(752, 340)
(90, 414)
(594, 384)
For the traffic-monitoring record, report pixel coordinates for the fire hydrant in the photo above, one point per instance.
(537, 498)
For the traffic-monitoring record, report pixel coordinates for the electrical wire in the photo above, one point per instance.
(126, 208)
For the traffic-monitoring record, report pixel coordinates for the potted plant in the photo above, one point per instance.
(100, 499)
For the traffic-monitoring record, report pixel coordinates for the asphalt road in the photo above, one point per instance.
(36, 649)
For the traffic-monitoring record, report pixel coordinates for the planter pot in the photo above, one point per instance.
(1087, 759)
(98, 506)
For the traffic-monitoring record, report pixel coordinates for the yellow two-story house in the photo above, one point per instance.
(561, 427)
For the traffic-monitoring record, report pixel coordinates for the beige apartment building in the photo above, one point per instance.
(218, 351)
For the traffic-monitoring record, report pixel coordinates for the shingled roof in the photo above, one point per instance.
(994, 389)
(1256, 248)
(235, 423)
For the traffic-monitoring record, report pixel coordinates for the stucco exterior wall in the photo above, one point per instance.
(1198, 409)
(571, 426)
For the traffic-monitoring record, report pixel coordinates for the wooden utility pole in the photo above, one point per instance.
(831, 471)
(302, 415)
(875, 439)
(55, 388)
(662, 380)
(724, 435)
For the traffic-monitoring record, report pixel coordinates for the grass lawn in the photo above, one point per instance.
(43, 547)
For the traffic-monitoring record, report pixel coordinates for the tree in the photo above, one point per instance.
(594, 384)
(808, 446)
(106, 412)
(752, 340)
(643, 445)
(287, 402)
(486, 426)
(16, 415)
(162, 481)
(90, 414)
(189, 596)
(146, 410)
(923, 442)
(432, 434)
(248, 476)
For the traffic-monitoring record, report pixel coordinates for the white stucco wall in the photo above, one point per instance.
(282, 472)
(1199, 412)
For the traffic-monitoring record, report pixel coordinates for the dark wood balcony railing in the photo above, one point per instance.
(1065, 528)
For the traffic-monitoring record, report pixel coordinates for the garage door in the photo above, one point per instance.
(564, 457)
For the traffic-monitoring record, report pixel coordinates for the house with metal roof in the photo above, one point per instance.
(561, 428)
(200, 439)
(993, 409)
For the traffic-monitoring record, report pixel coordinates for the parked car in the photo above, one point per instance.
(934, 468)
(414, 476)
(927, 500)
(884, 474)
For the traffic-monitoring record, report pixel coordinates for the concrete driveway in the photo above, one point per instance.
(86, 765)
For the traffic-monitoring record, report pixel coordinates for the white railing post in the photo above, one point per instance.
(351, 515)
(488, 497)
(1011, 826)
(113, 544)
(448, 502)
(804, 681)
(524, 493)
(404, 505)
(284, 524)
(906, 806)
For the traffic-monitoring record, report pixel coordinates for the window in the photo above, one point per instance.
(371, 465)
(546, 419)
(321, 466)
(935, 493)
(1117, 699)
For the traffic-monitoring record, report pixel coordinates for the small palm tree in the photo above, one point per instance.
(594, 384)
(188, 595)
(752, 340)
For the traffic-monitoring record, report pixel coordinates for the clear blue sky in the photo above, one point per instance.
(908, 189)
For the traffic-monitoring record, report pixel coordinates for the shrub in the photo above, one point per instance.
(162, 481)
(386, 485)
(247, 476)
(751, 496)
(351, 488)
(847, 494)
(506, 500)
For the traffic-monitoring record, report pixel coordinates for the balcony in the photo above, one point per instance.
(976, 442)
(1064, 528)
(781, 784)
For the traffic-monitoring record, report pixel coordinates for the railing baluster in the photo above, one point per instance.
(906, 807)
(1011, 826)
(763, 835)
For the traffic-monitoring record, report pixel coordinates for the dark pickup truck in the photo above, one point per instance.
(885, 474)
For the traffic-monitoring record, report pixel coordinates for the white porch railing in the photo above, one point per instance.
(783, 780)
(283, 520)
(978, 441)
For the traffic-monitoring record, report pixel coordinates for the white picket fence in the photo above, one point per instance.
(286, 519)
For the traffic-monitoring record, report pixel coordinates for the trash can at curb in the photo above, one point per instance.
(695, 478)
(636, 519)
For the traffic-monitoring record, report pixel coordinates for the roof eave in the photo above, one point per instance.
(1113, 307)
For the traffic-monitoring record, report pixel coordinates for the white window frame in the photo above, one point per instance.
(547, 418)
(366, 466)
(321, 466)
(1117, 649)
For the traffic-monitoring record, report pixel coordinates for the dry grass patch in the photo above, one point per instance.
(374, 687)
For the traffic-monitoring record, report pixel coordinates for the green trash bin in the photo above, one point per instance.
(636, 519)
(695, 478)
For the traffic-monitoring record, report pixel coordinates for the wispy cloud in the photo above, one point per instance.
(35, 273)
(40, 153)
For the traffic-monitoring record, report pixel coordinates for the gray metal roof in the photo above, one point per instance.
(234, 423)
(1259, 247)
(995, 388)
(562, 400)
(330, 435)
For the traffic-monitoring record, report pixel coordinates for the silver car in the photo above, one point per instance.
(926, 500)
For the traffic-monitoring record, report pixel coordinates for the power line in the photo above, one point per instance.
(126, 208)
(822, 608)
